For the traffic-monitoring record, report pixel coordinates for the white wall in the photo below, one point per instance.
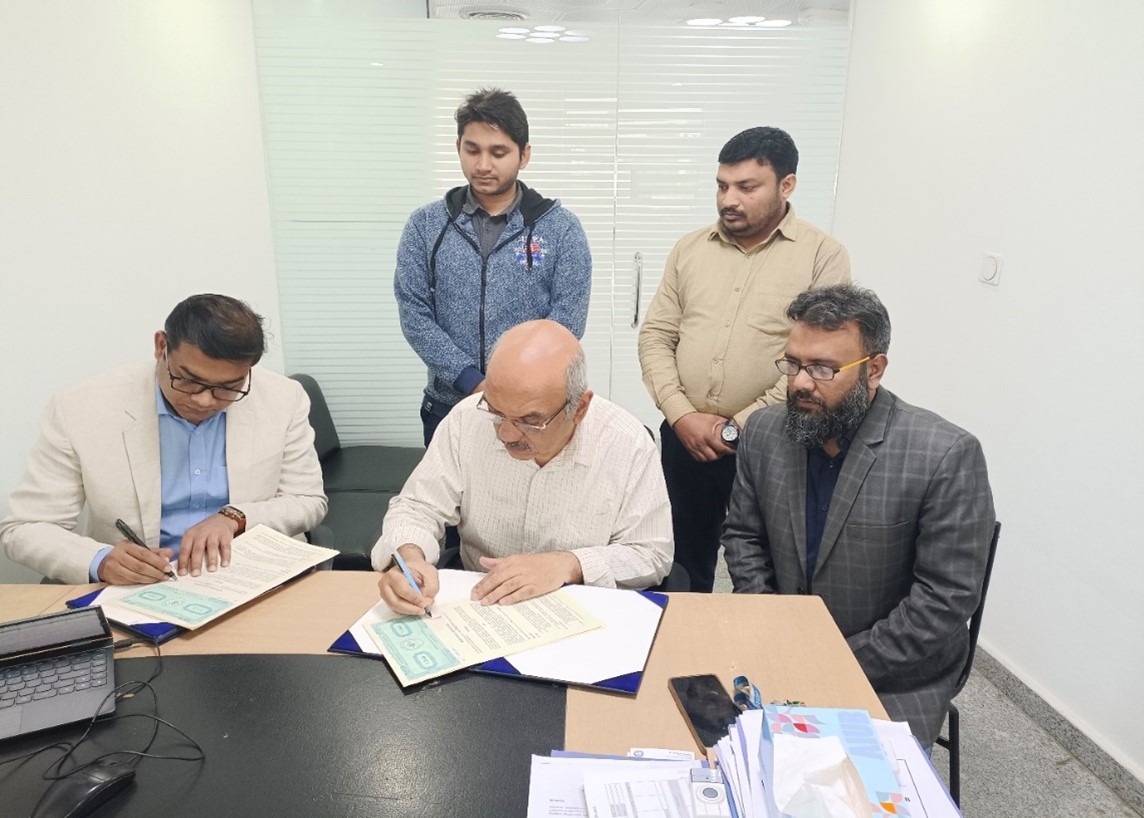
(1012, 126)
(132, 176)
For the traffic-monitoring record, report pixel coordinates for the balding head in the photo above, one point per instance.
(537, 369)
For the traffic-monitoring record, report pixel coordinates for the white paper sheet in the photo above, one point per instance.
(638, 793)
(556, 785)
(463, 633)
(261, 559)
(620, 647)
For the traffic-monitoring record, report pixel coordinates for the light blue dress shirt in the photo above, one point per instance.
(193, 467)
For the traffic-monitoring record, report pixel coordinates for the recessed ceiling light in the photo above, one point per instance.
(514, 30)
(774, 24)
(541, 40)
(745, 20)
(377, 65)
(504, 36)
(705, 21)
(548, 28)
(573, 38)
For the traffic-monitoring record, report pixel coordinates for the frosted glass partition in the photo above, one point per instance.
(625, 128)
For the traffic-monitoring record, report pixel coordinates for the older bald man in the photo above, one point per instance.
(547, 484)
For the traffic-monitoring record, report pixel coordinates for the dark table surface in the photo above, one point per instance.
(321, 736)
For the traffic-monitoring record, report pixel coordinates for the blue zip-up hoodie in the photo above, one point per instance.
(454, 305)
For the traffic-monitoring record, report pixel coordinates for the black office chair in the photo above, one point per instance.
(359, 482)
(953, 743)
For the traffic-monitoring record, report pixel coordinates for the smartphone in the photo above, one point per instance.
(704, 702)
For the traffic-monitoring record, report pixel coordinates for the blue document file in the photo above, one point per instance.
(610, 658)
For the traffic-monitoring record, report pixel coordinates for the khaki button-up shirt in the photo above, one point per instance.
(718, 320)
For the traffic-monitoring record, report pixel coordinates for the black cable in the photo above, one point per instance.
(121, 692)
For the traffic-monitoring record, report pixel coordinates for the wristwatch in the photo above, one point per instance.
(730, 433)
(236, 515)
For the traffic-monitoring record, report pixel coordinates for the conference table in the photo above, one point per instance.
(289, 729)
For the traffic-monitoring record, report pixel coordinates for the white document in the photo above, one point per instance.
(621, 646)
(464, 633)
(556, 785)
(261, 559)
(920, 783)
(638, 793)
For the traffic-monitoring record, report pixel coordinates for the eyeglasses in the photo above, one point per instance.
(189, 386)
(521, 426)
(820, 372)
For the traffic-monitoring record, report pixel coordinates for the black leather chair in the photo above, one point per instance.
(359, 482)
(953, 742)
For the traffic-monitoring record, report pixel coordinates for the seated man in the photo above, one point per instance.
(188, 451)
(547, 485)
(880, 508)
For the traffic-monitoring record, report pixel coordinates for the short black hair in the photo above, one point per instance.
(495, 107)
(831, 307)
(767, 146)
(224, 328)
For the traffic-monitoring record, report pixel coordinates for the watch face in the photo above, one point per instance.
(730, 433)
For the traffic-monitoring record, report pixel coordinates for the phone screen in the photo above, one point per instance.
(705, 703)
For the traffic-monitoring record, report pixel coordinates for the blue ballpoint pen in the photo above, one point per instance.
(409, 576)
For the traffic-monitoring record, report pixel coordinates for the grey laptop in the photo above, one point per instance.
(54, 669)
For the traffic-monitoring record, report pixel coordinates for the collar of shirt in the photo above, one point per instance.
(472, 206)
(788, 227)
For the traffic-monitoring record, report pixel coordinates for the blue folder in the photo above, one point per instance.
(628, 683)
(154, 632)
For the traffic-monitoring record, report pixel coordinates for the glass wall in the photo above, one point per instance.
(626, 121)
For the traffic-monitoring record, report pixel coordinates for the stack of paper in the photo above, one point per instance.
(918, 791)
(652, 784)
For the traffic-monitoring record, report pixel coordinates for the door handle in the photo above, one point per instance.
(638, 285)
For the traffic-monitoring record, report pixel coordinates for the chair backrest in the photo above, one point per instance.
(975, 620)
(326, 439)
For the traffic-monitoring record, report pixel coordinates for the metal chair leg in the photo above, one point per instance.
(955, 754)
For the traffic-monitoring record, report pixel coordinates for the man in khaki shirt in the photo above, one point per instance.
(717, 323)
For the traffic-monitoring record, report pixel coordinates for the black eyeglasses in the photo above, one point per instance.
(820, 372)
(521, 426)
(189, 386)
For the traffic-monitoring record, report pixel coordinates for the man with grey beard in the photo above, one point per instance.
(878, 507)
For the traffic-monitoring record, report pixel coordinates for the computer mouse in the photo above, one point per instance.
(80, 793)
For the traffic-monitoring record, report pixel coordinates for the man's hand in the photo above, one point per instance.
(524, 576)
(699, 432)
(209, 539)
(396, 590)
(130, 564)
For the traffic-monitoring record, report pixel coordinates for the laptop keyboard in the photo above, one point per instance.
(50, 678)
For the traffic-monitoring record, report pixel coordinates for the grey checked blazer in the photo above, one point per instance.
(903, 553)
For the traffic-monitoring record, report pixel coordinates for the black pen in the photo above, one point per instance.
(126, 531)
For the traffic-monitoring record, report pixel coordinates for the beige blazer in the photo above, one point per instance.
(97, 459)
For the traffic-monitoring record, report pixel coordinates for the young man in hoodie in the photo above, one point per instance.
(488, 256)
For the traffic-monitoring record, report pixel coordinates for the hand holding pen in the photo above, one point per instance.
(127, 532)
(400, 588)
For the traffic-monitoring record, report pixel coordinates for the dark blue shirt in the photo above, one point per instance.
(821, 478)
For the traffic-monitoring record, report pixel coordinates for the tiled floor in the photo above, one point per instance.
(1010, 767)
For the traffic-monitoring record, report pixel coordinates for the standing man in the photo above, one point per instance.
(488, 256)
(189, 450)
(880, 508)
(716, 319)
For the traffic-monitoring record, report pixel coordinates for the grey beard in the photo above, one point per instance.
(812, 430)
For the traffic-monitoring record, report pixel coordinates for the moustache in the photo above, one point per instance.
(795, 397)
(730, 212)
